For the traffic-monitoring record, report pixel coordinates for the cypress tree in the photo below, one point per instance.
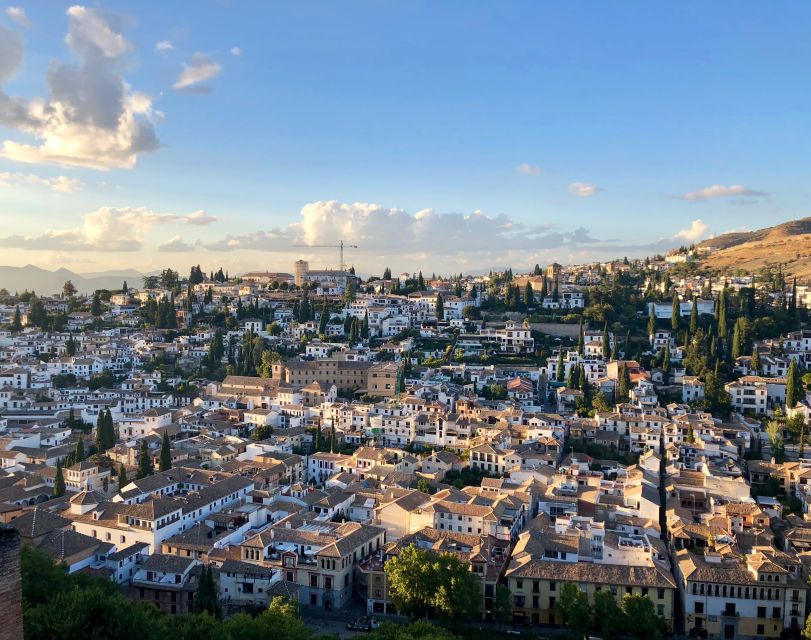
(754, 365)
(122, 477)
(581, 341)
(79, 453)
(529, 295)
(101, 424)
(722, 314)
(364, 327)
(144, 462)
(651, 321)
(606, 342)
(559, 373)
(571, 380)
(624, 382)
(166, 453)
(675, 312)
(440, 307)
(17, 323)
(794, 385)
(59, 481)
(693, 317)
(666, 360)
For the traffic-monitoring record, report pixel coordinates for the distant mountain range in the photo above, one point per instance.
(47, 282)
(787, 244)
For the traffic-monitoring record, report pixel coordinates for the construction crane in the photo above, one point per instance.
(340, 247)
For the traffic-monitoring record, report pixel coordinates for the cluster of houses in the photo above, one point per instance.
(305, 483)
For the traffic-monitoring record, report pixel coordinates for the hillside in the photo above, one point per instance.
(788, 244)
(49, 282)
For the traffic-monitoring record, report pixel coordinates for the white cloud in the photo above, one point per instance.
(583, 189)
(199, 69)
(199, 218)
(163, 46)
(528, 169)
(177, 245)
(721, 191)
(697, 231)
(60, 184)
(91, 117)
(18, 15)
(382, 232)
(106, 229)
(236, 51)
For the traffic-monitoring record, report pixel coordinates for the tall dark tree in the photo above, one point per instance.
(145, 467)
(559, 372)
(59, 481)
(16, 322)
(122, 477)
(440, 307)
(206, 597)
(675, 312)
(606, 342)
(70, 346)
(581, 340)
(694, 316)
(166, 453)
(794, 385)
(79, 454)
(125, 288)
(95, 306)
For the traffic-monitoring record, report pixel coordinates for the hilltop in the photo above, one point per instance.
(788, 244)
(50, 282)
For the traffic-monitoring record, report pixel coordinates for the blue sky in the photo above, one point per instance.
(438, 136)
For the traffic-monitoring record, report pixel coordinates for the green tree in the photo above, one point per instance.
(59, 481)
(440, 307)
(641, 615)
(145, 467)
(559, 372)
(16, 322)
(754, 364)
(693, 317)
(68, 289)
(423, 582)
(666, 360)
(581, 340)
(70, 346)
(529, 295)
(206, 597)
(606, 343)
(503, 603)
(122, 477)
(776, 440)
(79, 455)
(675, 312)
(794, 385)
(573, 606)
(166, 453)
(608, 617)
(651, 321)
(95, 307)
(624, 383)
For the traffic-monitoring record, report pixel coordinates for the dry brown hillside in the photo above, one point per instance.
(788, 244)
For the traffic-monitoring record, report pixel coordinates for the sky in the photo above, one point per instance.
(453, 136)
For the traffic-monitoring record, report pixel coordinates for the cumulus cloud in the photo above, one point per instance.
(697, 231)
(106, 229)
(383, 232)
(177, 244)
(200, 218)
(163, 46)
(18, 15)
(91, 117)
(236, 51)
(199, 69)
(528, 169)
(583, 189)
(721, 191)
(60, 184)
